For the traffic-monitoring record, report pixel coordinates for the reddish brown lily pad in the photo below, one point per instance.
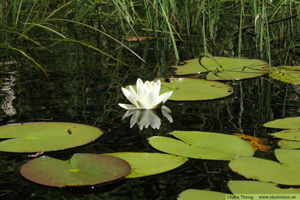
(80, 170)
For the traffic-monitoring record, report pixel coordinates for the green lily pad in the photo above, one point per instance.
(46, 136)
(291, 134)
(146, 164)
(286, 144)
(202, 145)
(257, 187)
(285, 123)
(232, 68)
(80, 170)
(240, 190)
(287, 172)
(288, 74)
(185, 89)
(192, 194)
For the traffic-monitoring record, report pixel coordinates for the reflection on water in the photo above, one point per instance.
(8, 90)
(144, 118)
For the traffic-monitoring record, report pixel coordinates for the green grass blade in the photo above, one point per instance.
(55, 11)
(107, 35)
(127, 18)
(92, 47)
(30, 58)
(18, 13)
(49, 29)
(171, 32)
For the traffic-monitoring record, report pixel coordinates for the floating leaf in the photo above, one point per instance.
(256, 143)
(146, 164)
(240, 189)
(291, 134)
(232, 68)
(257, 187)
(286, 144)
(202, 145)
(288, 74)
(287, 172)
(80, 170)
(285, 123)
(185, 89)
(192, 194)
(46, 136)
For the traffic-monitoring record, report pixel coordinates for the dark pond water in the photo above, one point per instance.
(84, 87)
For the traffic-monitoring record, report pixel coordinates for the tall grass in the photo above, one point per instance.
(222, 26)
(218, 27)
(40, 21)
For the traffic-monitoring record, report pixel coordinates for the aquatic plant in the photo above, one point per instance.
(146, 97)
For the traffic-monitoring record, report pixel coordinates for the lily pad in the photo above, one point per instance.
(257, 187)
(80, 170)
(287, 172)
(202, 145)
(288, 74)
(291, 134)
(146, 164)
(46, 136)
(285, 123)
(240, 189)
(192, 194)
(287, 144)
(232, 68)
(185, 89)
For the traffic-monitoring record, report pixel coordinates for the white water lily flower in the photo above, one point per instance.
(146, 97)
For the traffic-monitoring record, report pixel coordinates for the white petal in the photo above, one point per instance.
(139, 82)
(127, 106)
(132, 91)
(158, 84)
(152, 100)
(148, 85)
(129, 96)
(156, 87)
(141, 92)
(165, 96)
(140, 105)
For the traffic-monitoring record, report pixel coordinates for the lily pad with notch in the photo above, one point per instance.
(146, 164)
(81, 170)
(202, 145)
(291, 138)
(223, 68)
(185, 89)
(46, 136)
(285, 172)
(290, 134)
